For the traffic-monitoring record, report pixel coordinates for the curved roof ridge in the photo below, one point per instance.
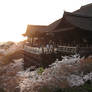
(85, 10)
(77, 15)
(81, 18)
(88, 5)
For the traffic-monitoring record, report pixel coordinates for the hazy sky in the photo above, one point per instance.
(16, 14)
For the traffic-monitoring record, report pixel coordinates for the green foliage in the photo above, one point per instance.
(40, 70)
(87, 86)
(45, 89)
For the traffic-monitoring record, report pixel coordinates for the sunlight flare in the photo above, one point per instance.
(16, 14)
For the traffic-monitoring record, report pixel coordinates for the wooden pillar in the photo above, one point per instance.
(32, 41)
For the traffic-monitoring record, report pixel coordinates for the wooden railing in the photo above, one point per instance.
(34, 50)
(65, 49)
(74, 50)
(37, 50)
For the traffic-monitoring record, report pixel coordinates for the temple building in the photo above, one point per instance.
(73, 29)
(76, 26)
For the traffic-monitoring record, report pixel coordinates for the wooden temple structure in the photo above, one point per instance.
(71, 34)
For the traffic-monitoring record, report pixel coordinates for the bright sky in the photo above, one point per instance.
(16, 14)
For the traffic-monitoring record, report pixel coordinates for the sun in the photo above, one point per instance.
(12, 32)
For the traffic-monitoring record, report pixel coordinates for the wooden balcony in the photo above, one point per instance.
(62, 49)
